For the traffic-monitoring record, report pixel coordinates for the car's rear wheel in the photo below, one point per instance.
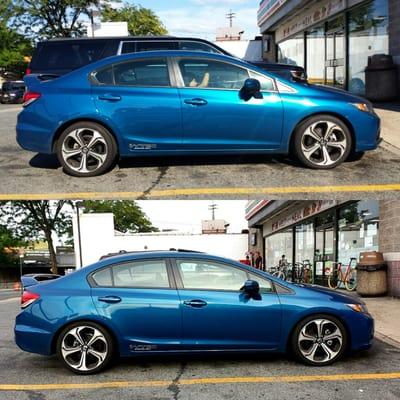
(85, 348)
(86, 149)
(322, 142)
(319, 340)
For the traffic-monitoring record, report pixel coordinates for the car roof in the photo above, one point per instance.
(148, 37)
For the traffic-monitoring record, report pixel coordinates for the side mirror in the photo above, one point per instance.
(251, 88)
(252, 288)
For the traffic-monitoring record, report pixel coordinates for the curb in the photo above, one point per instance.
(388, 340)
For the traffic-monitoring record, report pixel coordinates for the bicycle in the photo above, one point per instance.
(337, 277)
(302, 272)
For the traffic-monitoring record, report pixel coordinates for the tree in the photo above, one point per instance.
(128, 216)
(141, 21)
(13, 46)
(36, 220)
(7, 243)
(41, 19)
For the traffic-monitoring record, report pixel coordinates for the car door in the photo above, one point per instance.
(216, 315)
(140, 301)
(216, 118)
(137, 96)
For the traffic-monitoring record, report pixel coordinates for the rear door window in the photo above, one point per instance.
(151, 72)
(68, 54)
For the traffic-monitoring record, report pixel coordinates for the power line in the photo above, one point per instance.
(212, 207)
(231, 15)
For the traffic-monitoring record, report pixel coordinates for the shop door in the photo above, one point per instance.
(324, 253)
(335, 58)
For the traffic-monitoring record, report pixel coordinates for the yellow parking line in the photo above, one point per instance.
(203, 381)
(206, 191)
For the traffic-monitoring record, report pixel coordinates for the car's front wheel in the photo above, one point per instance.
(322, 142)
(319, 340)
(85, 348)
(86, 149)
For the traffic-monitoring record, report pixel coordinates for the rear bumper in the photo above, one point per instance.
(32, 339)
(33, 134)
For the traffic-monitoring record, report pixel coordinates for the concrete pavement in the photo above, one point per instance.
(366, 376)
(390, 118)
(26, 175)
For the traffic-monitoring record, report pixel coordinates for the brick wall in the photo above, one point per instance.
(389, 241)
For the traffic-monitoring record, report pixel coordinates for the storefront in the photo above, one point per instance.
(332, 39)
(321, 232)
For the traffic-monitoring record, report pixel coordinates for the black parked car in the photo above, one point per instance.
(12, 92)
(58, 56)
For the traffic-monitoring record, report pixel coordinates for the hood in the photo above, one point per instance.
(332, 91)
(333, 294)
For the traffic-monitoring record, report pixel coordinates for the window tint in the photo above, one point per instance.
(150, 274)
(105, 76)
(196, 46)
(103, 277)
(212, 74)
(67, 54)
(212, 276)
(267, 84)
(152, 46)
(128, 47)
(152, 72)
(265, 284)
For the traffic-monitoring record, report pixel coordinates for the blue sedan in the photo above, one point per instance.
(188, 103)
(185, 302)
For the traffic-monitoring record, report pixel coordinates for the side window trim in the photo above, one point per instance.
(171, 278)
(171, 75)
(275, 90)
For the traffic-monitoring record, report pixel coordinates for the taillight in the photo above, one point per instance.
(28, 298)
(30, 97)
(28, 71)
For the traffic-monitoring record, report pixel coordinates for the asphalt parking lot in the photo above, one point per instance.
(368, 375)
(22, 172)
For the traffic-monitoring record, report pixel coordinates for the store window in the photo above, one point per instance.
(276, 246)
(358, 227)
(291, 51)
(368, 35)
(315, 41)
(305, 242)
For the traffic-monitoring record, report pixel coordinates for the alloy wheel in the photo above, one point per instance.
(320, 340)
(84, 348)
(324, 143)
(84, 150)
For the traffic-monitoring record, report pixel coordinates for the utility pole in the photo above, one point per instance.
(231, 15)
(212, 207)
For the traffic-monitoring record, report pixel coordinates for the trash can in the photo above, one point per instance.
(381, 78)
(371, 274)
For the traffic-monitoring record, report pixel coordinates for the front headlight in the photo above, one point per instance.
(361, 308)
(364, 107)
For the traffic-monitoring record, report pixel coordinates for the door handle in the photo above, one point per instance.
(110, 299)
(195, 303)
(109, 97)
(196, 102)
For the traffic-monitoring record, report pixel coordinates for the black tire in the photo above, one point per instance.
(299, 138)
(108, 149)
(295, 347)
(109, 346)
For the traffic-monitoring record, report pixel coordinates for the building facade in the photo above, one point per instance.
(325, 232)
(332, 39)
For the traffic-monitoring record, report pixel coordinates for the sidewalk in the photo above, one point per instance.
(386, 312)
(390, 117)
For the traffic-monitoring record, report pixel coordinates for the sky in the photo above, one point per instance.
(201, 18)
(186, 215)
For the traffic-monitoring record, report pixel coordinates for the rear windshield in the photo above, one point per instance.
(67, 54)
